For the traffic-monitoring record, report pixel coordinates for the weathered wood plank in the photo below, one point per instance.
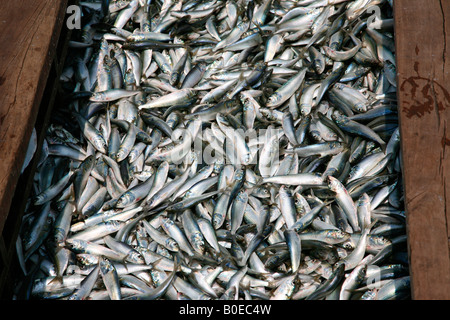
(424, 104)
(28, 41)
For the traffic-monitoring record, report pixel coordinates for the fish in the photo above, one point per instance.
(221, 150)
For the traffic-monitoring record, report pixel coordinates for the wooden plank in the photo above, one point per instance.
(9, 265)
(423, 59)
(28, 37)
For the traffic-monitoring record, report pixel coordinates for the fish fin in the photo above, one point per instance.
(286, 151)
(187, 46)
(125, 261)
(370, 226)
(317, 278)
(177, 263)
(152, 264)
(103, 26)
(57, 280)
(204, 259)
(78, 216)
(261, 31)
(383, 147)
(355, 40)
(225, 263)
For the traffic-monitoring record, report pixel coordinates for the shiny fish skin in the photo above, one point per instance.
(221, 150)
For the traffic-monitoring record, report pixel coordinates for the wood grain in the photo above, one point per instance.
(423, 65)
(28, 34)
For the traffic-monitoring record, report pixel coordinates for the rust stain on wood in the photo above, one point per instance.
(423, 95)
(445, 142)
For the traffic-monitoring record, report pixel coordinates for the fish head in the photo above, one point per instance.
(305, 109)
(100, 144)
(348, 245)
(87, 259)
(361, 107)
(333, 183)
(40, 199)
(273, 99)
(379, 241)
(121, 154)
(174, 77)
(261, 192)
(75, 244)
(217, 220)
(172, 245)
(285, 192)
(339, 235)
(363, 200)
(198, 244)
(105, 265)
(126, 199)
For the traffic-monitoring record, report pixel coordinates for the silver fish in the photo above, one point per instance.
(250, 153)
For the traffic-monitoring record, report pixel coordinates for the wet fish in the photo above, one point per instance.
(221, 150)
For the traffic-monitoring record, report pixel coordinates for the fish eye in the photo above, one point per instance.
(305, 111)
(361, 108)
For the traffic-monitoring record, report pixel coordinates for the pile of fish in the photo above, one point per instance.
(221, 150)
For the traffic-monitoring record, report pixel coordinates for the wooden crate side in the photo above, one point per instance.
(423, 66)
(28, 41)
